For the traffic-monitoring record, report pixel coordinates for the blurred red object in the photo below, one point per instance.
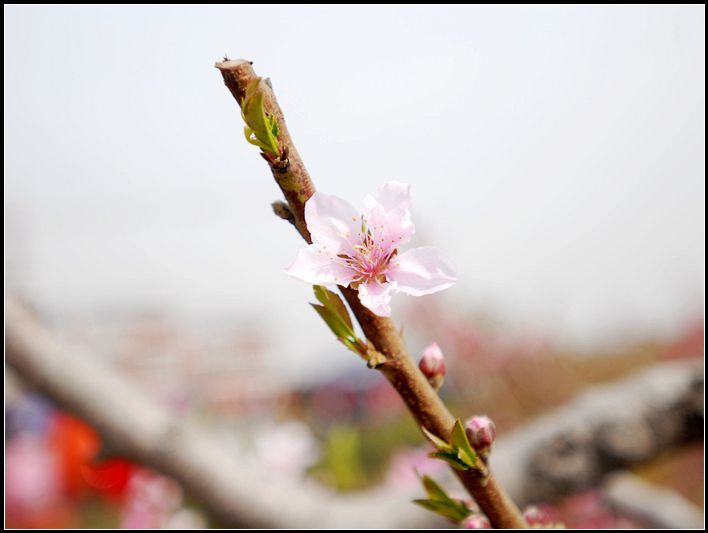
(109, 477)
(50, 473)
(75, 444)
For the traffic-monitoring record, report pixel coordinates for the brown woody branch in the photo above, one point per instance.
(230, 486)
(131, 424)
(608, 426)
(400, 370)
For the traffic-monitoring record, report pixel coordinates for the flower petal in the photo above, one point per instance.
(394, 195)
(332, 222)
(377, 297)
(399, 228)
(389, 229)
(421, 271)
(315, 265)
(387, 214)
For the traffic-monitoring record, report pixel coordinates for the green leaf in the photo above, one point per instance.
(334, 322)
(452, 458)
(439, 502)
(273, 125)
(335, 314)
(248, 132)
(454, 510)
(458, 452)
(262, 127)
(341, 327)
(251, 138)
(459, 441)
(433, 490)
(334, 303)
(466, 458)
(437, 441)
(355, 345)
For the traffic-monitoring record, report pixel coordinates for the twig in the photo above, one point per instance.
(400, 370)
(607, 427)
(289, 171)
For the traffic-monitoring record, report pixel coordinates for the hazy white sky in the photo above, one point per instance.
(555, 153)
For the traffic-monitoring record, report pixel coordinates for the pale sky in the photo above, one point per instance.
(556, 154)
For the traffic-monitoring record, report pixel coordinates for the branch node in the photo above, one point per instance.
(282, 210)
(374, 358)
(280, 165)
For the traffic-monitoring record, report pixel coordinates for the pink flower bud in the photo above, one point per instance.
(535, 516)
(476, 521)
(481, 432)
(432, 365)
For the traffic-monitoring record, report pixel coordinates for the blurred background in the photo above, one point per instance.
(556, 154)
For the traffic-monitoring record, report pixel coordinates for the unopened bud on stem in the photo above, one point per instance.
(537, 517)
(481, 433)
(432, 365)
(476, 521)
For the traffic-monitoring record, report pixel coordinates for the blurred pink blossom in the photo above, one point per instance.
(151, 500)
(31, 475)
(286, 450)
(406, 465)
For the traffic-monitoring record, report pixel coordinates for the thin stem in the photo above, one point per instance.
(422, 401)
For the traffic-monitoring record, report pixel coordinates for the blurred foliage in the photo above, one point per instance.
(341, 465)
(356, 455)
(98, 514)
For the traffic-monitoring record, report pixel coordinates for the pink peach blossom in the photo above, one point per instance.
(361, 250)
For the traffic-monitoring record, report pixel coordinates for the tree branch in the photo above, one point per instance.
(232, 489)
(288, 170)
(130, 422)
(400, 370)
(607, 427)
